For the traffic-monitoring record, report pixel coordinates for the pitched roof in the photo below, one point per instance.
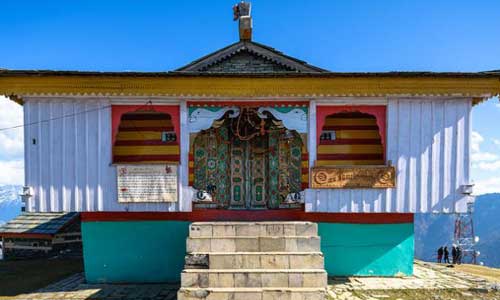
(38, 223)
(249, 57)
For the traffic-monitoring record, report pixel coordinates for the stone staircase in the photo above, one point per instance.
(253, 260)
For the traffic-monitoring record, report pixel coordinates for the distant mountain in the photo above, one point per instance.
(10, 202)
(435, 230)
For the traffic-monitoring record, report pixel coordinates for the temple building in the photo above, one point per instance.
(267, 171)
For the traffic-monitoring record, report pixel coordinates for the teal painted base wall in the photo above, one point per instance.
(139, 251)
(153, 251)
(367, 249)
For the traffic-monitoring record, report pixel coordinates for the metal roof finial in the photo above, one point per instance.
(241, 12)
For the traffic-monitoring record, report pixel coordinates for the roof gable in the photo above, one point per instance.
(248, 57)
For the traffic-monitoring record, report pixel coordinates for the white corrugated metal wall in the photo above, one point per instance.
(68, 160)
(428, 142)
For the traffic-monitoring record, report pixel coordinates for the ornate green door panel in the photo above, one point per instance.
(295, 164)
(254, 173)
(238, 168)
(273, 167)
(211, 153)
(258, 178)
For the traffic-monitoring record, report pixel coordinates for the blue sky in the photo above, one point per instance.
(340, 36)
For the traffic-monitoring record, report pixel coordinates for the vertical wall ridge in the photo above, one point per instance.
(27, 152)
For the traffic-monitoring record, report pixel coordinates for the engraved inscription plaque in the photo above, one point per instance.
(147, 183)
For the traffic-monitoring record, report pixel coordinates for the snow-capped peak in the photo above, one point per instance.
(10, 193)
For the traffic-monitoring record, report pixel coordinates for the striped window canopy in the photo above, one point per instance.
(353, 135)
(145, 134)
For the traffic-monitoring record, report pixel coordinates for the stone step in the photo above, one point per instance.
(253, 244)
(251, 294)
(244, 278)
(255, 260)
(229, 229)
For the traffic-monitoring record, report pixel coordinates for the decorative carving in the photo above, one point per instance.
(204, 117)
(294, 118)
(331, 177)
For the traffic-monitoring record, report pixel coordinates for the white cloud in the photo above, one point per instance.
(496, 141)
(482, 160)
(497, 105)
(12, 172)
(488, 166)
(483, 156)
(11, 141)
(11, 144)
(490, 185)
(476, 140)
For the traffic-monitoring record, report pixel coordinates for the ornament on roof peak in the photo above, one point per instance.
(241, 12)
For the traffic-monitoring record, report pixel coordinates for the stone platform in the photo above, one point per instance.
(430, 281)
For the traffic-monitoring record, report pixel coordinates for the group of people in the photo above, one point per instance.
(443, 255)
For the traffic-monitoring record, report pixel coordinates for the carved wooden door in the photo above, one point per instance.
(249, 173)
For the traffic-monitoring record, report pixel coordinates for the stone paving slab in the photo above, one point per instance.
(428, 277)
(75, 288)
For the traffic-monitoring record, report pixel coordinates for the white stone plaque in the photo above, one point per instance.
(147, 183)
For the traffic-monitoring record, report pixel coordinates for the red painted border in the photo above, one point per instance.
(349, 142)
(375, 156)
(146, 143)
(379, 111)
(139, 129)
(144, 158)
(117, 111)
(244, 215)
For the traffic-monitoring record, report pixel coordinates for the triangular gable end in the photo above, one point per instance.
(248, 57)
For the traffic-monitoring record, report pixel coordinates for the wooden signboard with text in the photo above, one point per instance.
(333, 177)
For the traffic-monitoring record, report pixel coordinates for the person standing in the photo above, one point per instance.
(440, 254)
(454, 255)
(446, 255)
(459, 255)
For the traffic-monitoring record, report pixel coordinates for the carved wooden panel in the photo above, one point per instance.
(211, 164)
(327, 177)
(258, 161)
(238, 169)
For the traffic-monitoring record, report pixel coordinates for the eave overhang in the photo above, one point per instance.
(19, 84)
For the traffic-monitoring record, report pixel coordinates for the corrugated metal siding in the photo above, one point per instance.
(69, 167)
(428, 142)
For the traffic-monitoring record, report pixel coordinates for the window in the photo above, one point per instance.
(351, 136)
(145, 137)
